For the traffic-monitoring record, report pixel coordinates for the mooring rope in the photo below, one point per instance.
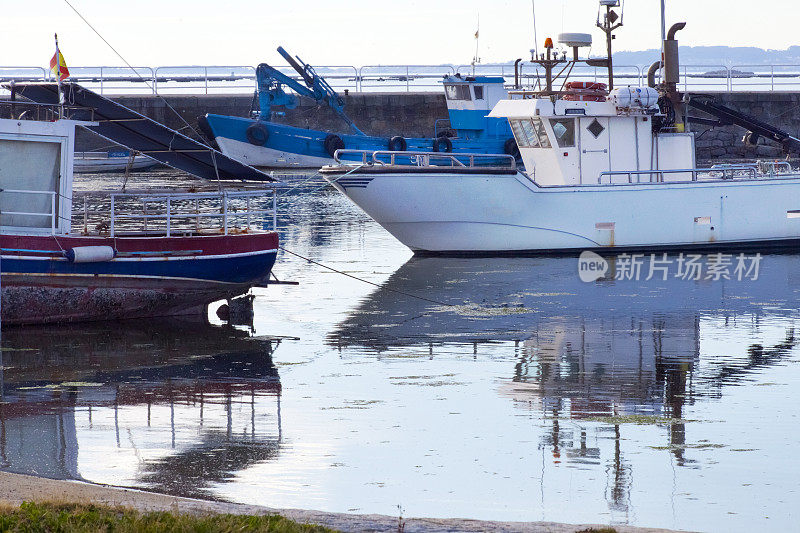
(429, 300)
(312, 191)
(136, 73)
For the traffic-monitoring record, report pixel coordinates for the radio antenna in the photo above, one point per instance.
(535, 36)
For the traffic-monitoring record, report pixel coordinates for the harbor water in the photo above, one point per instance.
(490, 388)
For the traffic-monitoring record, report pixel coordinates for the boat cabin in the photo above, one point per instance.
(469, 101)
(36, 176)
(598, 140)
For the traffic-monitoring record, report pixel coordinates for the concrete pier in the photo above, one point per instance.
(407, 114)
(414, 115)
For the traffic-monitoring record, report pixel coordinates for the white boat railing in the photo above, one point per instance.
(773, 168)
(721, 172)
(170, 213)
(52, 215)
(425, 159)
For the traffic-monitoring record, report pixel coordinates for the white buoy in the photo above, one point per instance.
(90, 254)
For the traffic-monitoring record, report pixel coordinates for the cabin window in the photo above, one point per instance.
(564, 130)
(29, 176)
(478, 92)
(519, 134)
(538, 126)
(457, 92)
(530, 133)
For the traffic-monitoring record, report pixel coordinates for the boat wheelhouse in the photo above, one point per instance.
(469, 102)
(567, 142)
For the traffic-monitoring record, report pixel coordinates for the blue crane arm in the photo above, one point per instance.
(270, 88)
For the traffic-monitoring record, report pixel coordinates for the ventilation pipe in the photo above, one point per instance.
(651, 73)
(672, 74)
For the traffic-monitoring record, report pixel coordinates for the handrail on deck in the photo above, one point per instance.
(728, 172)
(225, 206)
(53, 214)
(426, 159)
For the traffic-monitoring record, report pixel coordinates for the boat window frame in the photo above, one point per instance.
(61, 218)
(479, 92)
(567, 139)
(544, 140)
(529, 132)
(521, 135)
(457, 92)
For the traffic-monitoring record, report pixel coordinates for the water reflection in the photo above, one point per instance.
(524, 394)
(173, 405)
(595, 362)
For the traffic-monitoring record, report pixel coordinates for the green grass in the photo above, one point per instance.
(640, 420)
(68, 518)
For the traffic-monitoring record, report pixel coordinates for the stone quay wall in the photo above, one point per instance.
(415, 114)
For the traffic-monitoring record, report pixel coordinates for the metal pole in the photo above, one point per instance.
(535, 37)
(608, 49)
(58, 80)
(663, 28)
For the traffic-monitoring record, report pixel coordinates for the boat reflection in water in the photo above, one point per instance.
(607, 357)
(174, 406)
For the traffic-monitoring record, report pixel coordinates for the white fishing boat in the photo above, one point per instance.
(111, 161)
(605, 171)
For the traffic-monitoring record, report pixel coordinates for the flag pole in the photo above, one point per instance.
(58, 80)
(476, 59)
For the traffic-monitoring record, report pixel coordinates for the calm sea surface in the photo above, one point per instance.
(517, 392)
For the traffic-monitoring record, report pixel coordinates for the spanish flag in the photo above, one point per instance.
(58, 66)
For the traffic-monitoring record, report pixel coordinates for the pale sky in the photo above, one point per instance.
(361, 32)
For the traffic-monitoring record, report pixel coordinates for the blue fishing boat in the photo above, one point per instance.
(261, 142)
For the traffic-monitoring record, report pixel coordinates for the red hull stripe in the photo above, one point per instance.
(200, 245)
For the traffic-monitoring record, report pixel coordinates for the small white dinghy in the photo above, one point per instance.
(111, 161)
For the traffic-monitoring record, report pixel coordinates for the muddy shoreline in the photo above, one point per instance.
(18, 488)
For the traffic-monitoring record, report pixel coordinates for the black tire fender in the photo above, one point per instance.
(332, 143)
(510, 147)
(442, 144)
(257, 134)
(397, 144)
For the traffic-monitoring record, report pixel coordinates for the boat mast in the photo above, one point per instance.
(608, 25)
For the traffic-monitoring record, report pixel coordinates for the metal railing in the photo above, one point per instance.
(425, 159)
(52, 215)
(25, 110)
(221, 79)
(416, 77)
(721, 172)
(169, 213)
(773, 168)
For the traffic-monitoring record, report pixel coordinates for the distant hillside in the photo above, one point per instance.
(716, 55)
